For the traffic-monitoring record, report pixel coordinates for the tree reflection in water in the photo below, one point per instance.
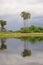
(33, 40)
(3, 46)
(26, 51)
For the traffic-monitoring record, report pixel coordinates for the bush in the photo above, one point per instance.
(31, 29)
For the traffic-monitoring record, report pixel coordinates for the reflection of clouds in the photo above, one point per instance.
(37, 46)
(11, 59)
(33, 64)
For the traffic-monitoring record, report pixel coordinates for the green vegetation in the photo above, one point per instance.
(32, 39)
(2, 23)
(17, 35)
(31, 29)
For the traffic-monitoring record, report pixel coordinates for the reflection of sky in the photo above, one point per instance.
(15, 22)
(12, 55)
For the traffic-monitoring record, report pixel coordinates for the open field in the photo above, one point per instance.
(11, 34)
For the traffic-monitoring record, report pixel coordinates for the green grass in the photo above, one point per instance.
(16, 35)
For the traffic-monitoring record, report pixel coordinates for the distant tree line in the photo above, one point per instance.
(31, 29)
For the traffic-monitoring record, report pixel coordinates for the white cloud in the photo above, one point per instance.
(16, 6)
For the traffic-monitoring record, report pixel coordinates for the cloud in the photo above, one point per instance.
(35, 7)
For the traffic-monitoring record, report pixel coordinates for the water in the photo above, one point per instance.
(23, 51)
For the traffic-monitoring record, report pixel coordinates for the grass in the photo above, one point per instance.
(16, 35)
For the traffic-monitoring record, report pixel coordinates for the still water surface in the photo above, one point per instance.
(24, 51)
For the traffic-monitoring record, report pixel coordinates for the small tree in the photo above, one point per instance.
(2, 23)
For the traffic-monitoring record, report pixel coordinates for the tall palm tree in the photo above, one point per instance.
(25, 16)
(2, 23)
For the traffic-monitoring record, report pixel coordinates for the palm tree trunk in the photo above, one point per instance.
(24, 24)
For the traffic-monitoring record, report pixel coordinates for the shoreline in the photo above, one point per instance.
(17, 35)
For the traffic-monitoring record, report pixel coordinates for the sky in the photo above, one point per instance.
(10, 10)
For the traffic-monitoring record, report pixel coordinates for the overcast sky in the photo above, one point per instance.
(10, 8)
(16, 6)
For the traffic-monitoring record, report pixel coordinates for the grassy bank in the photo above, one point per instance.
(11, 34)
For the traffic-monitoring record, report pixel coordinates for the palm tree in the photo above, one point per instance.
(25, 16)
(2, 23)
